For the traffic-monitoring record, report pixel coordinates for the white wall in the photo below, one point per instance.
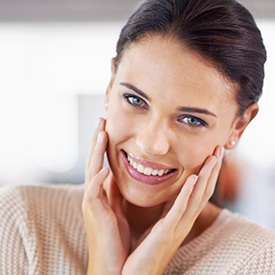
(45, 69)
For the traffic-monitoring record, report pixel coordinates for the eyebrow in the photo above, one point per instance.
(135, 89)
(196, 110)
(181, 109)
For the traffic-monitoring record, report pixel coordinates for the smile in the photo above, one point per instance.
(146, 172)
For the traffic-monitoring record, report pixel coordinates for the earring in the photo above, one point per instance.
(232, 143)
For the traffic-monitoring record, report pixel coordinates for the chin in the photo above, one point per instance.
(145, 198)
(142, 203)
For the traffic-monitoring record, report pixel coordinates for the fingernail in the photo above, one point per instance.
(193, 179)
(213, 161)
(221, 152)
(98, 123)
(104, 170)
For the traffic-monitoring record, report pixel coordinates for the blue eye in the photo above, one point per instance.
(135, 100)
(193, 121)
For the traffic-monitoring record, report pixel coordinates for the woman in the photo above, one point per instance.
(185, 85)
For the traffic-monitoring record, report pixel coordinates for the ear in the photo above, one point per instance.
(240, 124)
(109, 87)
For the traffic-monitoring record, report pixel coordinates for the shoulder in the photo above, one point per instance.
(246, 230)
(26, 192)
(233, 244)
(252, 243)
(235, 232)
(248, 247)
(39, 221)
(36, 205)
(26, 199)
(31, 205)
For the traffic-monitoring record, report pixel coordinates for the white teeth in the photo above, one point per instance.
(160, 173)
(140, 168)
(155, 172)
(146, 170)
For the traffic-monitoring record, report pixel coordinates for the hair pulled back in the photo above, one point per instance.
(221, 31)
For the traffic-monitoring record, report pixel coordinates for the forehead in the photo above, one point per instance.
(164, 64)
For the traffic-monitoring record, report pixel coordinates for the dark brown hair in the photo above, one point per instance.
(221, 31)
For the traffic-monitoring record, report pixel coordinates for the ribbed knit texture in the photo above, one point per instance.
(42, 232)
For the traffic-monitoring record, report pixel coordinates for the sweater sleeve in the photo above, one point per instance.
(13, 257)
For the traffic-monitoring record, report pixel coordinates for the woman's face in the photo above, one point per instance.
(167, 111)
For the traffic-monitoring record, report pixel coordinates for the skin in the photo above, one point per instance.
(130, 223)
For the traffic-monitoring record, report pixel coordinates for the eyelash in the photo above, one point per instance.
(130, 97)
(200, 122)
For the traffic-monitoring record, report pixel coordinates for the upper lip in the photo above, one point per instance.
(147, 163)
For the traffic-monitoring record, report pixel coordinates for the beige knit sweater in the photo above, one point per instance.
(42, 232)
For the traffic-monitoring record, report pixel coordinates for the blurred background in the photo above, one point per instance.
(55, 66)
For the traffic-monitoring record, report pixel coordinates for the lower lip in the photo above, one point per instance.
(151, 180)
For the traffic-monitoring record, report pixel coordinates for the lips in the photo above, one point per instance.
(146, 172)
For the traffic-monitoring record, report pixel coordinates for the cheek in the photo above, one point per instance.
(195, 154)
(117, 126)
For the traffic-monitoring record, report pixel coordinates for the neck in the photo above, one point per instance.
(205, 219)
(141, 218)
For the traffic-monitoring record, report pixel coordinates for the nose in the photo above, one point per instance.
(153, 139)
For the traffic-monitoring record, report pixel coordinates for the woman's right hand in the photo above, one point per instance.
(107, 229)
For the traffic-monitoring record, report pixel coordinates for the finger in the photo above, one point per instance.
(115, 197)
(205, 184)
(174, 215)
(190, 196)
(100, 126)
(203, 178)
(194, 195)
(94, 193)
(219, 153)
(168, 205)
(97, 157)
(95, 207)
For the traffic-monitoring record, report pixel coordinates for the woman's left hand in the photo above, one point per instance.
(156, 249)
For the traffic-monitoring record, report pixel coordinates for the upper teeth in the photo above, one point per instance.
(146, 170)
